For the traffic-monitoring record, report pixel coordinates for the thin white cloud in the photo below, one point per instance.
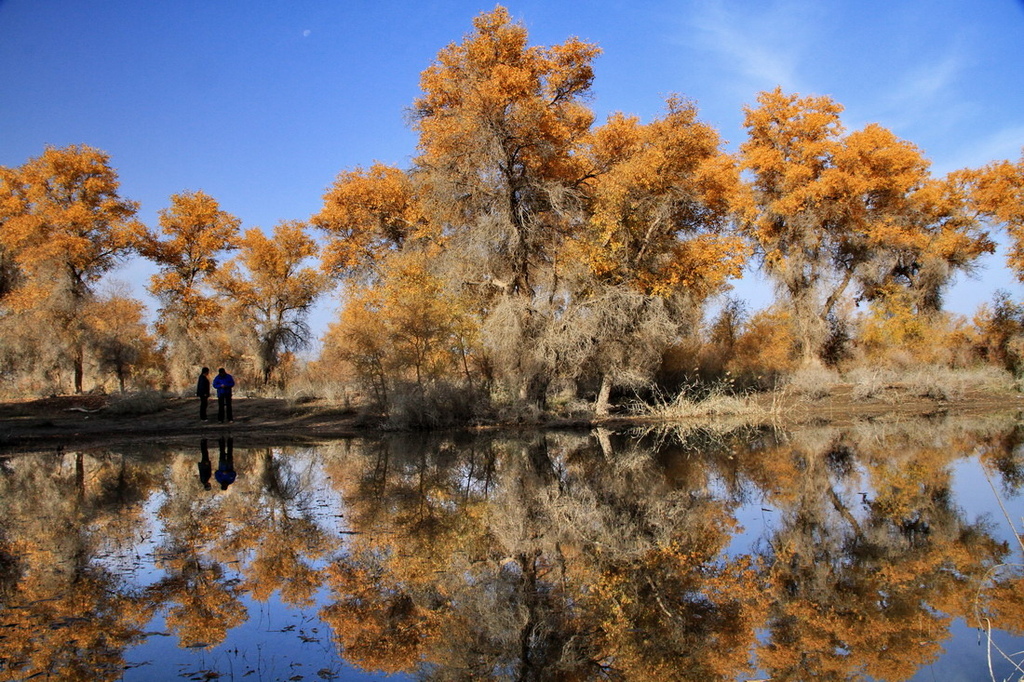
(763, 46)
(925, 94)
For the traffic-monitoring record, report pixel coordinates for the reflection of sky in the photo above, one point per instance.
(277, 642)
(977, 498)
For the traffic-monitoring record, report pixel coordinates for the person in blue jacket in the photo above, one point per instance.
(226, 464)
(223, 383)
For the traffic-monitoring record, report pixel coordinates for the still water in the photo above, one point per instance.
(879, 552)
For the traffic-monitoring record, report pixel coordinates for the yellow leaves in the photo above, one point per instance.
(409, 327)
(493, 102)
(62, 208)
(660, 195)
(998, 192)
(366, 213)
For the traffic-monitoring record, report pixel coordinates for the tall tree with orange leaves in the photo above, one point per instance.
(500, 124)
(998, 192)
(63, 225)
(578, 247)
(195, 233)
(367, 213)
(830, 212)
(656, 244)
(269, 291)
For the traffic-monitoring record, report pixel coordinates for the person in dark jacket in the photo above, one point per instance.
(223, 383)
(205, 466)
(203, 391)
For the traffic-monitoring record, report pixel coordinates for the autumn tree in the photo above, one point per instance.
(656, 243)
(194, 235)
(575, 248)
(998, 192)
(499, 123)
(269, 292)
(831, 213)
(63, 225)
(366, 215)
(406, 331)
(118, 338)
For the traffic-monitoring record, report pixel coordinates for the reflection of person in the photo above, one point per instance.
(226, 464)
(223, 383)
(203, 391)
(205, 466)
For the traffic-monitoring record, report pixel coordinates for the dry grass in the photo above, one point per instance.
(813, 382)
(139, 402)
(714, 402)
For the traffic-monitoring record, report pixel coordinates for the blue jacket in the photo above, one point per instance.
(223, 383)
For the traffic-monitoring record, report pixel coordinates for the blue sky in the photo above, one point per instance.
(261, 104)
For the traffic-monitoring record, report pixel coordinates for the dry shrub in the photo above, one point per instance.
(715, 400)
(999, 332)
(812, 381)
(439, 405)
(870, 382)
(894, 335)
(943, 383)
(140, 402)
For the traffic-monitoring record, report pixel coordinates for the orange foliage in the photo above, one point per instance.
(196, 232)
(499, 124)
(366, 213)
(62, 220)
(270, 291)
(377, 625)
(660, 201)
(828, 210)
(766, 347)
(998, 191)
(409, 327)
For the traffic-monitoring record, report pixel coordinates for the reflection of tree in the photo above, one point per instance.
(544, 556)
(282, 531)
(202, 601)
(64, 616)
(560, 562)
(872, 596)
(566, 557)
(265, 526)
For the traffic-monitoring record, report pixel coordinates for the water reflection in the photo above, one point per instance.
(669, 554)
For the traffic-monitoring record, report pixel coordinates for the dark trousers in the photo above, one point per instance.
(203, 400)
(224, 408)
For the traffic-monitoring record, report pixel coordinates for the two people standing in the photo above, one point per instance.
(222, 383)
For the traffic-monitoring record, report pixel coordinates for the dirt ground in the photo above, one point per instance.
(91, 421)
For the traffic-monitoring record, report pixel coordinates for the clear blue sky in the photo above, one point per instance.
(261, 104)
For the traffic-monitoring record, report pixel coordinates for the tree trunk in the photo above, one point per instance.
(601, 405)
(79, 361)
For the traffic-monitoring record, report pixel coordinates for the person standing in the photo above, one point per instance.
(223, 383)
(203, 391)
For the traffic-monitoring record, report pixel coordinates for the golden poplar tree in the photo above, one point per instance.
(499, 126)
(829, 212)
(63, 225)
(194, 235)
(268, 291)
(998, 192)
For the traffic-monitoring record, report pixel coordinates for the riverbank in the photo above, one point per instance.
(94, 421)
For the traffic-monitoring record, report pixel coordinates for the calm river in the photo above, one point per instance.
(880, 552)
